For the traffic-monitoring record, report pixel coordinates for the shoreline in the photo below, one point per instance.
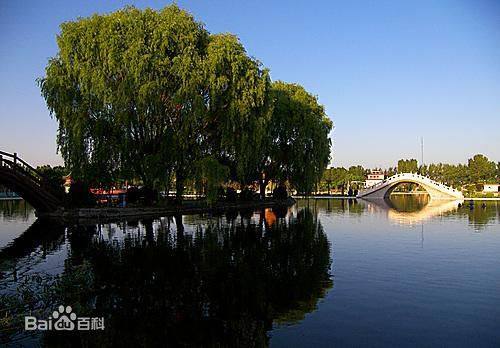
(482, 199)
(105, 214)
(109, 214)
(354, 197)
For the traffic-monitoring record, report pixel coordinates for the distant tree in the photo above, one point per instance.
(481, 169)
(423, 170)
(340, 178)
(356, 173)
(454, 175)
(54, 175)
(390, 172)
(407, 166)
(412, 165)
(328, 178)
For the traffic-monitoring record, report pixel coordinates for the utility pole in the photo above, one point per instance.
(422, 150)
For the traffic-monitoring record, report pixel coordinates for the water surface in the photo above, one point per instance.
(325, 272)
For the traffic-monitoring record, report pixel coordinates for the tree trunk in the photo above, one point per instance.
(179, 184)
(262, 187)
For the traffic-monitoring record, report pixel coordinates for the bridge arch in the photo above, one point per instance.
(435, 189)
(20, 177)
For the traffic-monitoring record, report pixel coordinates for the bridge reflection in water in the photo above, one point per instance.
(419, 209)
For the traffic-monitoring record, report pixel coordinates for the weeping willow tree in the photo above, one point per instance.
(145, 94)
(297, 143)
(238, 110)
(124, 88)
(214, 174)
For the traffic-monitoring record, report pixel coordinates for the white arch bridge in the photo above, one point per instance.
(436, 190)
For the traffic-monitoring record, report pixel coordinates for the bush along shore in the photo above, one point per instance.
(186, 207)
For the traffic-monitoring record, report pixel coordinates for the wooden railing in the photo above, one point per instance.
(12, 161)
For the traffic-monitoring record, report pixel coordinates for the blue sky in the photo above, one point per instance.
(388, 72)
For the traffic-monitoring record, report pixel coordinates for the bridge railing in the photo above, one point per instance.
(12, 161)
(414, 175)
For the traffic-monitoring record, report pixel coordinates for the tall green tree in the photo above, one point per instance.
(298, 146)
(481, 169)
(407, 166)
(124, 88)
(149, 95)
(356, 173)
(238, 106)
(340, 178)
(328, 178)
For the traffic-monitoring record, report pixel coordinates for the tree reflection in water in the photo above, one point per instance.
(408, 203)
(481, 213)
(223, 285)
(31, 247)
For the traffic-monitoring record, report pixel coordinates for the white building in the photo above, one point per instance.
(374, 178)
(490, 188)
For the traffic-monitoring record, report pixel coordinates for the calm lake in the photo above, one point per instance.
(325, 272)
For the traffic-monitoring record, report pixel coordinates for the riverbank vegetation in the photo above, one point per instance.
(470, 177)
(153, 98)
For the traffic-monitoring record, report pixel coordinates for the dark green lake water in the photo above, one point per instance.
(325, 272)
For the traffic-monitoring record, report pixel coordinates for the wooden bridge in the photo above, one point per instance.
(29, 183)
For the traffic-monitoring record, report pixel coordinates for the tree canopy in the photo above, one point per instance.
(481, 169)
(478, 170)
(407, 166)
(298, 146)
(147, 95)
(124, 90)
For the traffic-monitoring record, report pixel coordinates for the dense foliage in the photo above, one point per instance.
(407, 166)
(298, 148)
(478, 170)
(151, 95)
(54, 176)
(340, 178)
